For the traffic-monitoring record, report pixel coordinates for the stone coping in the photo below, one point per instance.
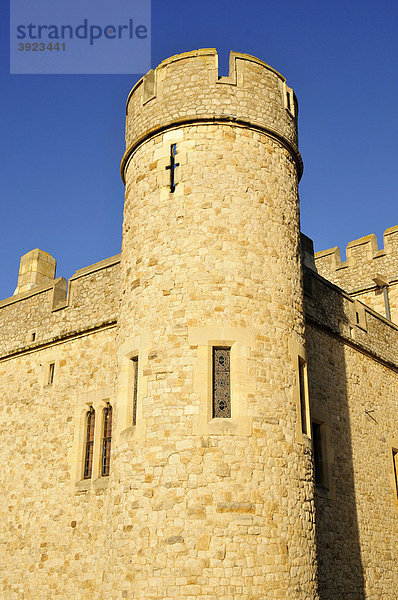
(102, 264)
(40, 289)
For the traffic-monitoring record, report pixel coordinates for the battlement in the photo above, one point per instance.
(187, 88)
(364, 261)
(54, 308)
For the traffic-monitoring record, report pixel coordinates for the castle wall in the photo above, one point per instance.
(364, 262)
(197, 506)
(46, 311)
(54, 527)
(353, 377)
(53, 533)
(340, 314)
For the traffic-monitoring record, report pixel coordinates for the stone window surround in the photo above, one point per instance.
(241, 340)
(98, 399)
(45, 372)
(297, 354)
(136, 347)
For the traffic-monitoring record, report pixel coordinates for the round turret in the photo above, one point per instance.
(253, 95)
(212, 448)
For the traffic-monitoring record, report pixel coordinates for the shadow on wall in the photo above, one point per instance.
(340, 569)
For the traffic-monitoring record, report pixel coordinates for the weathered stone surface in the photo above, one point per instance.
(197, 507)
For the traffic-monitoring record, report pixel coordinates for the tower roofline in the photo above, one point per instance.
(207, 52)
(186, 89)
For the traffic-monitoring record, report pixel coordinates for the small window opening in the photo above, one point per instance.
(319, 458)
(106, 441)
(357, 317)
(221, 382)
(172, 167)
(135, 388)
(288, 100)
(51, 371)
(395, 462)
(33, 336)
(88, 457)
(303, 396)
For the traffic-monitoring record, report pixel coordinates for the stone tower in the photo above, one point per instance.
(211, 473)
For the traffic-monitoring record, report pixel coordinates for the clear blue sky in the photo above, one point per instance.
(63, 136)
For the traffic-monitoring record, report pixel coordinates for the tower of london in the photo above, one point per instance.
(212, 413)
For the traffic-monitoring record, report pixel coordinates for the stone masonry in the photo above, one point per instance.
(294, 493)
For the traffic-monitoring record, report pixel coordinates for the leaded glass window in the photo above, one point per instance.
(106, 441)
(135, 388)
(88, 458)
(221, 382)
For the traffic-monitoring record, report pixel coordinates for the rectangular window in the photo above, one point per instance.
(135, 388)
(221, 382)
(303, 395)
(395, 462)
(51, 371)
(319, 455)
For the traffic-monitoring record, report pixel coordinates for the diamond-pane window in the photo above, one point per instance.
(135, 388)
(221, 382)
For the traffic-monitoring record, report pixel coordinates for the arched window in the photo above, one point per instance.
(106, 441)
(88, 457)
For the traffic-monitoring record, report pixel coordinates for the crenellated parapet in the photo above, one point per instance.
(187, 89)
(364, 261)
(54, 309)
